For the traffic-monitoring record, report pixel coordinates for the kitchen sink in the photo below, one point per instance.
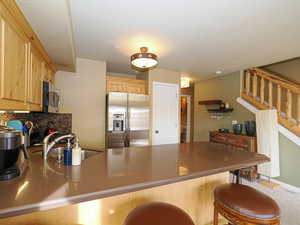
(56, 152)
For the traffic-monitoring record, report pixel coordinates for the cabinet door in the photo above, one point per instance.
(51, 76)
(13, 75)
(35, 80)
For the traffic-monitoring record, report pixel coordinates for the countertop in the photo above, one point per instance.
(46, 185)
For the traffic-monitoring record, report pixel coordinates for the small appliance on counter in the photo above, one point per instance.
(238, 129)
(10, 146)
(250, 127)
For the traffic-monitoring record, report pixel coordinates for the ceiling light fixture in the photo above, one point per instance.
(185, 82)
(144, 59)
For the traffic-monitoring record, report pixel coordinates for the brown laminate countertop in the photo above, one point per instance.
(46, 185)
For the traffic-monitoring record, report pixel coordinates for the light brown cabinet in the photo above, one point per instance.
(35, 79)
(13, 75)
(23, 64)
(124, 84)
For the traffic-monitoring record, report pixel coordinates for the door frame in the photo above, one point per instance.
(154, 84)
(188, 122)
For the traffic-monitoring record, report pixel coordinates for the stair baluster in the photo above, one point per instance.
(279, 99)
(255, 88)
(262, 90)
(270, 95)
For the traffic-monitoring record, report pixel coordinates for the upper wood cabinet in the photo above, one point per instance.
(124, 84)
(23, 62)
(35, 80)
(14, 60)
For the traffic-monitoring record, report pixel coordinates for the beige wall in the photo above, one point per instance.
(83, 95)
(226, 88)
(289, 69)
(163, 76)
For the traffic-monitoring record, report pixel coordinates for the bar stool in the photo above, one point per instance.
(158, 213)
(244, 205)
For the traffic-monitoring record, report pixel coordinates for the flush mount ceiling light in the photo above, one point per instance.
(219, 72)
(144, 59)
(185, 82)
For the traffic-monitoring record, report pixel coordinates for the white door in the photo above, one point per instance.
(165, 114)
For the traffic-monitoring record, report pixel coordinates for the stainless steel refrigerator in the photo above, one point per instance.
(127, 120)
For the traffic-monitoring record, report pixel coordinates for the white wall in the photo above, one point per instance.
(83, 95)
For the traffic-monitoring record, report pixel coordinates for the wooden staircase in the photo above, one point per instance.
(268, 91)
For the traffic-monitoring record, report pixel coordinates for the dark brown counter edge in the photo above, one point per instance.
(9, 212)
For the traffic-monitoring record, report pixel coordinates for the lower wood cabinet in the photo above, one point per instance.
(240, 142)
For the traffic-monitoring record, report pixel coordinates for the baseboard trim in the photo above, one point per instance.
(286, 186)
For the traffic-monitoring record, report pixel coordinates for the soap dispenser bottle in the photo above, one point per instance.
(68, 154)
(76, 155)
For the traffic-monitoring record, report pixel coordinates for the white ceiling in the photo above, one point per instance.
(51, 20)
(197, 37)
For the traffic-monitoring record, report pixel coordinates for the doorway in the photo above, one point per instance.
(185, 119)
(165, 114)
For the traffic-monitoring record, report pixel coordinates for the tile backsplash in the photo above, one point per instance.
(62, 122)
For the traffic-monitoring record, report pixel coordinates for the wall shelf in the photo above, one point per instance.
(220, 103)
(211, 102)
(220, 110)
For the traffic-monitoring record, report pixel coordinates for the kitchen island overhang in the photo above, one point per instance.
(116, 172)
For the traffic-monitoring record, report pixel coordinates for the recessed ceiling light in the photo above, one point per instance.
(219, 72)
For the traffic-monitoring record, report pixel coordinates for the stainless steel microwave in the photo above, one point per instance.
(51, 98)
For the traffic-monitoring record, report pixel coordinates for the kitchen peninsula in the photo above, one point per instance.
(107, 186)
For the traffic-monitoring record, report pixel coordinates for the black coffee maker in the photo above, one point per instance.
(10, 146)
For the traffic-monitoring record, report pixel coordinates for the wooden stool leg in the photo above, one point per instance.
(216, 215)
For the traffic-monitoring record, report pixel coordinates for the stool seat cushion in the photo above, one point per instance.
(158, 213)
(247, 201)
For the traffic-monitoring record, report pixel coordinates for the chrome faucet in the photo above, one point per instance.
(48, 146)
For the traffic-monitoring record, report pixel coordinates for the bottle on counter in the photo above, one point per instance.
(68, 154)
(76, 155)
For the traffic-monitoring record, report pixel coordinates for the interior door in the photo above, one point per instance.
(138, 113)
(165, 115)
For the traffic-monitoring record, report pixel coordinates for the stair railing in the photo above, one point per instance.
(268, 91)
